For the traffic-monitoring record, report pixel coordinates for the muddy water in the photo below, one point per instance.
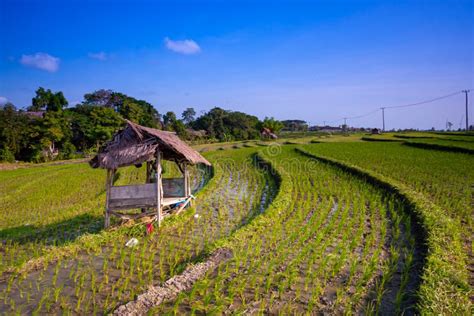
(98, 282)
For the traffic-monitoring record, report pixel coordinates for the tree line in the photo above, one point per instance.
(48, 129)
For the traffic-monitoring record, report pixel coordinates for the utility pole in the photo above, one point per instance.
(467, 111)
(383, 118)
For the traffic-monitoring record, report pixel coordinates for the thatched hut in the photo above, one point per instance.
(135, 145)
(267, 133)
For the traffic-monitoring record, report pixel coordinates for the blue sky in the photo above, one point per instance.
(313, 60)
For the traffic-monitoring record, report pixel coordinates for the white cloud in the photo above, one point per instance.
(41, 61)
(3, 100)
(99, 56)
(187, 47)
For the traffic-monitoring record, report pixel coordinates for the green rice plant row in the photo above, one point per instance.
(445, 288)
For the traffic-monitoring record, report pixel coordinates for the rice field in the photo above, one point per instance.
(96, 272)
(440, 185)
(329, 243)
(338, 226)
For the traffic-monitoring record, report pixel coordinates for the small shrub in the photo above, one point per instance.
(6, 155)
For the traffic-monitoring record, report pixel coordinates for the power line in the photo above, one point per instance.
(351, 117)
(402, 106)
(423, 102)
(363, 115)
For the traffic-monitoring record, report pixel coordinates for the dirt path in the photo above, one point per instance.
(170, 290)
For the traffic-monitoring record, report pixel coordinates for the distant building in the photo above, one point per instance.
(196, 134)
(34, 114)
(375, 131)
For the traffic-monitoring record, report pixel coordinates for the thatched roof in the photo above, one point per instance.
(34, 114)
(136, 144)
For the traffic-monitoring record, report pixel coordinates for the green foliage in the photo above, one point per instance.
(169, 119)
(102, 97)
(6, 155)
(104, 123)
(273, 125)
(14, 130)
(131, 111)
(57, 133)
(93, 125)
(50, 131)
(295, 125)
(47, 100)
(138, 111)
(228, 125)
(188, 116)
(171, 123)
(68, 151)
(180, 129)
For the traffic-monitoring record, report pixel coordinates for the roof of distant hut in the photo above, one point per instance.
(199, 133)
(268, 132)
(136, 144)
(34, 114)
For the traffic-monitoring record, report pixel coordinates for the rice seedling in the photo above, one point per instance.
(332, 240)
(301, 244)
(102, 262)
(438, 186)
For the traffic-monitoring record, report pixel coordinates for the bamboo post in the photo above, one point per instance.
(108, 184)
(185, 179)
(187, 184)
(158, 186)
(148, 178)
(148, 171)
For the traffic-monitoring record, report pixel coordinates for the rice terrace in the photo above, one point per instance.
(333, 227)
(236, 158)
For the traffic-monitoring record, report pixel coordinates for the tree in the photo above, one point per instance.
(10, 107)
(47, 100)
(104, 123)
(92, 125)
(138, 111)
(180, 129)
(228, 125)
(273, 125)
(102, 97)
(53, 130)
(212, 122)
(14, 130)
(6, 155)
(188, 115)
(173, 124)
(295, 125)
(132, 111)
(168, 119)
(41, 100)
